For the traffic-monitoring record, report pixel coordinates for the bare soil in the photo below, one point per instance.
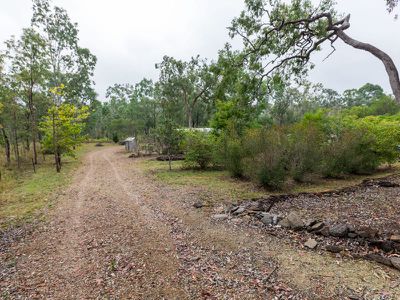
(117, 234)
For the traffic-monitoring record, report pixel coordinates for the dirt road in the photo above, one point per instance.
(117, 234)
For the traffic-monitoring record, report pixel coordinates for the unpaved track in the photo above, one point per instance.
(116, 234)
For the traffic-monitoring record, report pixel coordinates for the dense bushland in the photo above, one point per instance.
(323, 143)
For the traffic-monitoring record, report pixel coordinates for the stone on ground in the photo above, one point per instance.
(295, 221)
(220, 217)
(339, 230)
(311, 243)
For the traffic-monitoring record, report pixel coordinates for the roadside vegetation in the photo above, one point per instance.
(219, 186)
(24, 194)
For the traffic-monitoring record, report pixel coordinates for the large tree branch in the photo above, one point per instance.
(387, 61)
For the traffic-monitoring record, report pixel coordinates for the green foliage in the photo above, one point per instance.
(169, 137)
(385, 132)
(69, 64)
(266, 156)
(350, 152)
(305, 142)
(186, 84)
(324, 143)
(230, 152)
(276, 40)
(362, 96)
(115, 137)
(62, 128)
(231, 114)
(198, 148)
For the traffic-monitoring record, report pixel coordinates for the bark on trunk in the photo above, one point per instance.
(16, 142)
(169, 160)
(32, 110)
(57, 157)
(16, 148)
(190, 120)
(390, 67)
(7, 147)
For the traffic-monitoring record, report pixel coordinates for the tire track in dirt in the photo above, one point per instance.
(208, 249)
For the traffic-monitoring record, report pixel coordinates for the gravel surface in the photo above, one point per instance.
(117, 234)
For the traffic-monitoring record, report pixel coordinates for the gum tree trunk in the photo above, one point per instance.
(7, 147)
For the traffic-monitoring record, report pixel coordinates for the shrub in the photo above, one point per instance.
(198, 149)
(324, 143)
(386, 133)
(350, 152)
(305, 153)
(229, 152)
(115, 137)
(266, 156)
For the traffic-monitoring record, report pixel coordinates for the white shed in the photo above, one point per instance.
(130, 144)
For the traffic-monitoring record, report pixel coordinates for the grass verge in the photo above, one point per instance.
(222, 186)
(24, 194)
(215, 182)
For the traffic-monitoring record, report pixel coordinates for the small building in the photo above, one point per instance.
(130, 144)
(204, 130)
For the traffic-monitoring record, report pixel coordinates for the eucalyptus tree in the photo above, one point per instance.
(3, 98)
(29, 67)
(70, 64)
(238, 95)
(144, 106)
(116, 110)
(187, 82)
(362, 96)
(280, 37)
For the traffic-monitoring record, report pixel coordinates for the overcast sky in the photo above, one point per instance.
(130, 36)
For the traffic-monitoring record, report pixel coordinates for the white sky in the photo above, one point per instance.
(130, 36)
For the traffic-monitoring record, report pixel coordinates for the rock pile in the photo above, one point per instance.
(296, 222)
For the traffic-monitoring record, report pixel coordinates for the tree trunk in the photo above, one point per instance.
(32, 112)
(16, 148)
(16, 144)
(55, 148)
(190, 118)
(7, 147)
(57, 158)
(169, 160)
(35, 161)
(390, 67)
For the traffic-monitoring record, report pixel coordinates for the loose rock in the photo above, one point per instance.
(220, 217)
(269, 219)
(339, 230)
(295, 221)
(352, 235)
(198, 204)
(239, 210)
(395, 262)
(284, 223)
(311, 243)
(367, 232)
(324, 231)
(334, 248)
(316, 227)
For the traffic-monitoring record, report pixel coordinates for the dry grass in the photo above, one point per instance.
(222, 186)
(24, 193)
(216, 183)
